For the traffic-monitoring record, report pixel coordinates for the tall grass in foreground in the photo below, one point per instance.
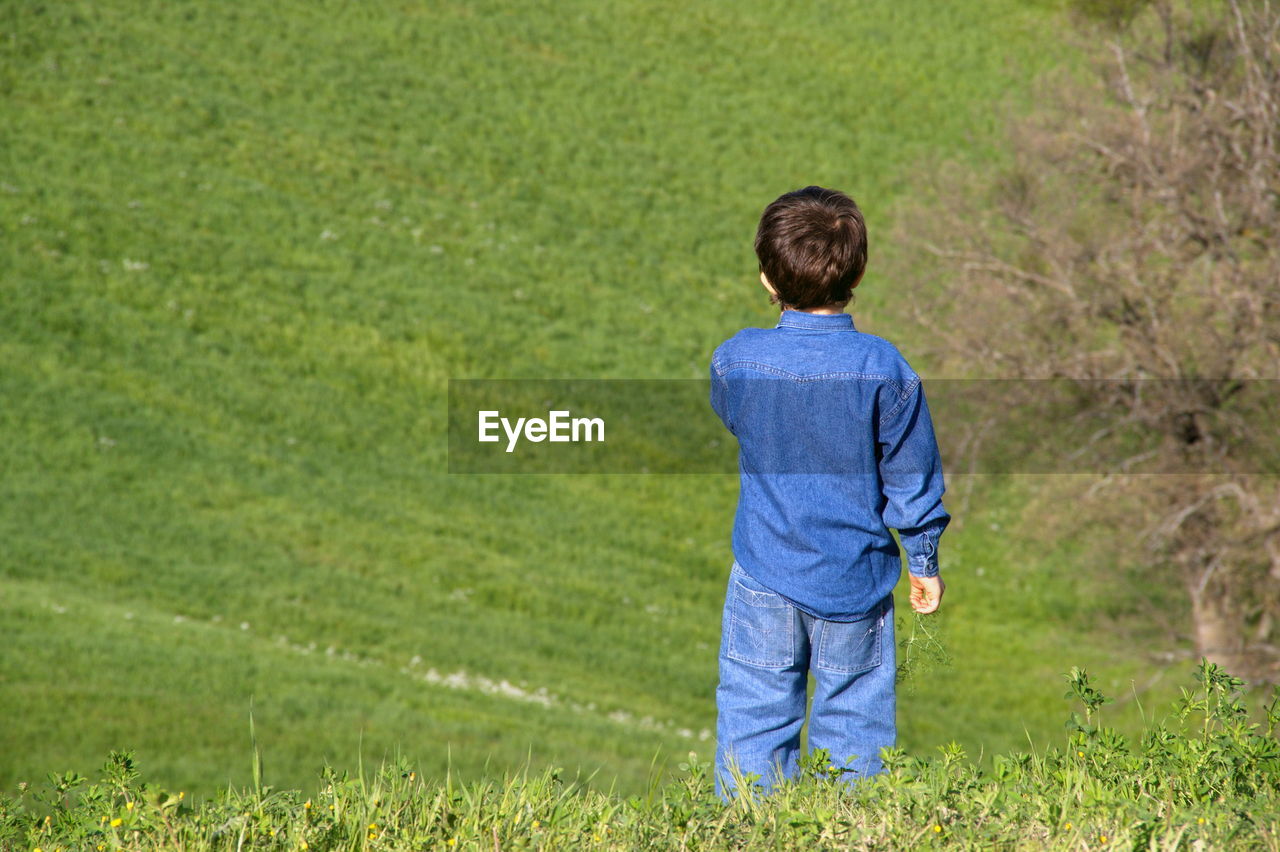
(1205, 777)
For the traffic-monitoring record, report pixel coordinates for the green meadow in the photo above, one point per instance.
(243, 248)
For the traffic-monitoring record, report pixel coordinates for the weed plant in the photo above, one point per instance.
(921, 650)
(1206, 777)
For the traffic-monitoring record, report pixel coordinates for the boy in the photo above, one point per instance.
(835, 447)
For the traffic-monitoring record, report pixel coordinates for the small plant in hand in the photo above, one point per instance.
(1206, 777)
(920, 650)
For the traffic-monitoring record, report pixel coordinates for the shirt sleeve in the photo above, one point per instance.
(911, 478)
(719, 397)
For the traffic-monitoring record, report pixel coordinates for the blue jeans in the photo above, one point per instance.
(767, 650)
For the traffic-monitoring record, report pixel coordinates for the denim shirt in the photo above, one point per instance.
(835, 448)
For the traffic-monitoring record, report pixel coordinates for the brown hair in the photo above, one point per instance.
(812, 245)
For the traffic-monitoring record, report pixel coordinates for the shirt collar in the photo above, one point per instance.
(816, 322)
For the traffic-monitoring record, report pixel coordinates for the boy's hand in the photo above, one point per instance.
(926, 593)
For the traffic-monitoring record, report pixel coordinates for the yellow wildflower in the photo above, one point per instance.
(937, 829)
(1102, 838)
(1080, 753)
(1068, 826)
(307, 804)
(1200, 820)
(115, 822)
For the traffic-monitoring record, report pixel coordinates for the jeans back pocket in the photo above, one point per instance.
(762, 630)
(849, 647)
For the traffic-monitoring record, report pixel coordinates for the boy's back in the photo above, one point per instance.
(836, 446)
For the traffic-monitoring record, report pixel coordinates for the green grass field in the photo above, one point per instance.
(244, 246)
(1199, 778)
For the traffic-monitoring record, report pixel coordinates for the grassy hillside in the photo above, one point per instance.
(244, 246)
(1199, 779)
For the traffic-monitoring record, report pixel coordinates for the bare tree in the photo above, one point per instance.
(1138, 238)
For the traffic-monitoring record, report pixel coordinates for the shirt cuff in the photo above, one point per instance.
(922, 556)
(923, 569)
